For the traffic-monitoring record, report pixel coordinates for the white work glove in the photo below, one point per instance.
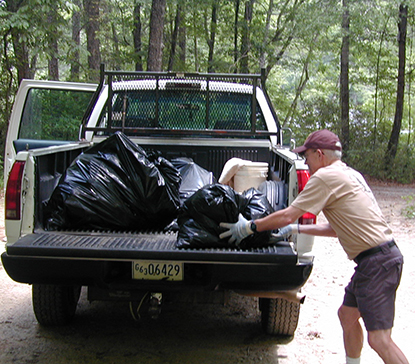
(236, 231)
(287, 230)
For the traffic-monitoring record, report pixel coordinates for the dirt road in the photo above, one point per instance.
(106, 333)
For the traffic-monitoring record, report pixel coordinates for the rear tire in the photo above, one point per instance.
(279, 316)
(54, 305)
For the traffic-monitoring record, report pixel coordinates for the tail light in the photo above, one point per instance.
(303, 176)
(307, 218)
(14, 191)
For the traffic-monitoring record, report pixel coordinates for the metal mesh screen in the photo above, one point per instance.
(165, 102)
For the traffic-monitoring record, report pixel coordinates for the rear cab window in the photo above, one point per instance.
(183, 110)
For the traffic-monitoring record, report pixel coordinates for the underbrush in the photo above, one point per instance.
(1, 174)
(409, 210)
(372, 163)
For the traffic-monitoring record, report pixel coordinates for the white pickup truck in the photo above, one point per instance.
(209, 118)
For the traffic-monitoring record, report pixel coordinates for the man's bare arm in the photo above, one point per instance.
(287, 216)
(279, 219)
(318, 230)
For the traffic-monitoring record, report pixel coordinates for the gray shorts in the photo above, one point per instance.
(372, 288)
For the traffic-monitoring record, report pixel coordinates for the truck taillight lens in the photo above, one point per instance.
(307, 218)
(303, 176)
(14, 191)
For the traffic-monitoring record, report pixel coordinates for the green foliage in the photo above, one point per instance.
(409, 209)
(53, 115)
(370, 161)
(299, 47)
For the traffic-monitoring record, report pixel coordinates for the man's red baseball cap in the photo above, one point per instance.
(320, 139)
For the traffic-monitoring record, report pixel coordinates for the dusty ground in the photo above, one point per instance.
(106, 333)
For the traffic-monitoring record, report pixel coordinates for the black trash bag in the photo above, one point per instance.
(194, 177)
(201, 214)
(255, 205)
(115, 185)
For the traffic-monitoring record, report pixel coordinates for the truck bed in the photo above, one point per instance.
(209, 154)
(85, 257)
(103, 258)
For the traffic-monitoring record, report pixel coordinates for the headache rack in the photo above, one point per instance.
(182, 105)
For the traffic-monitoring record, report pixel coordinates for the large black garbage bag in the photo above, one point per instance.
(193, 176)
(115, 185)
(201, 214)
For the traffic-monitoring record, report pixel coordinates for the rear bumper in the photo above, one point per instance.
(118, 274)
(106, 262)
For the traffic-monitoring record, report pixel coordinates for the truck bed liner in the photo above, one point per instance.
(151, 246)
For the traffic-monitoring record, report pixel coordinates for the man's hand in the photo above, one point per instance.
(287, 230)
(236, 231)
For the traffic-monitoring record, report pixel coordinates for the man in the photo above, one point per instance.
(354, 217)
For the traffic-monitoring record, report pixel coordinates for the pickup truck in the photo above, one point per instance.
(209, 118)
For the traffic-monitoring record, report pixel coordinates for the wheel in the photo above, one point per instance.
(54, 305)
(279, 316)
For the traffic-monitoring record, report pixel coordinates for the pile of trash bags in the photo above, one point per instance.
(117, 186)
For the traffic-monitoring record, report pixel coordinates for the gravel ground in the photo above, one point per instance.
(106, 333)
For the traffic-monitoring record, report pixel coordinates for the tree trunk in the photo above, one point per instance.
(22, 56)
(195, 42)
(94, 57)
(301, 85)
(281, 39)
(211, 41)
(116, 45)
(377, 82)
(235, 36)
(396, 129)
(344, 78)
(273, 60)
(246, 37)
(408, 141)
(182, 42)
(21, 53)
(175, 37)
(9, 90)
(265, 40)
(76, 38)
(155, 49)
(53, 65)
(137, 38)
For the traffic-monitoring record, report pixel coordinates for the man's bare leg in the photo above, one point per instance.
(352, 331)
(381, 341)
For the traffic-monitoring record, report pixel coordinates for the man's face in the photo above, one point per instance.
(313, 159)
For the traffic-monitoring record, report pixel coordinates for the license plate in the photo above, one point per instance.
(155, 270)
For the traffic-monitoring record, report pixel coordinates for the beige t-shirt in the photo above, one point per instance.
(349, 206)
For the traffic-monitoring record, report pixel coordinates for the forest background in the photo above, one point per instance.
(346, 65)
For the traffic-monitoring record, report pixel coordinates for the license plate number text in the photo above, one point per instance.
(155, 270)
